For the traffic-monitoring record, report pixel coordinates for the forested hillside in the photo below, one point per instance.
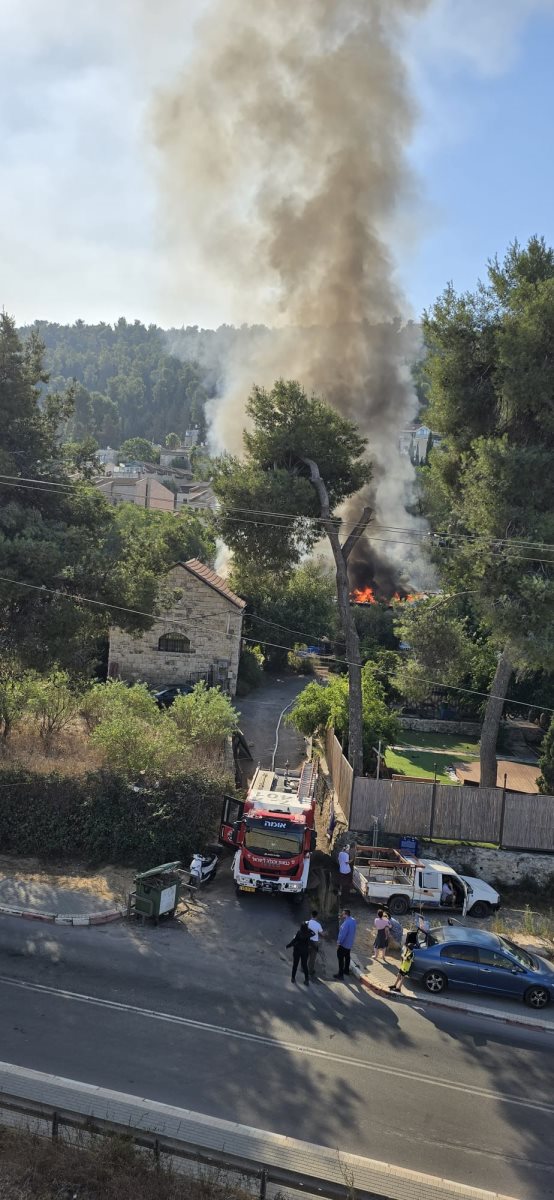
(128, 384)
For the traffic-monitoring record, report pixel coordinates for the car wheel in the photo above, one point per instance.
(480, 909)
(435, 982)
(537, 996)
(398, 905)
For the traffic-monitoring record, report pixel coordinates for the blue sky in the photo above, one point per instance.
(485, 160)
(79, 225)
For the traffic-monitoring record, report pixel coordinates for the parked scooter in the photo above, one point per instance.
(203, 867)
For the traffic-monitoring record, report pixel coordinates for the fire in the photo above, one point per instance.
(364, 596)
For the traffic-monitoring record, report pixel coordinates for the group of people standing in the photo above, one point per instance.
(306, 946)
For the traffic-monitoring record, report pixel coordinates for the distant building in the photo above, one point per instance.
(191, 438)
(195, 495)
(199, 637)
(132, 487)
(106, 456)
(178, 456)
(414, 441)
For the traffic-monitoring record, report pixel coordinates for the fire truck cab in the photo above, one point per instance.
(273, 831)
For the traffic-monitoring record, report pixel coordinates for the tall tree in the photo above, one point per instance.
(302, 599)
(140, 449)
(490, 485)
(59, 538)
(304, 459)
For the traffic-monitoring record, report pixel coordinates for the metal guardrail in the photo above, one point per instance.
(218, 1160)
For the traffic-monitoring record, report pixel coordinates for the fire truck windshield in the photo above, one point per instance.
(273, 836)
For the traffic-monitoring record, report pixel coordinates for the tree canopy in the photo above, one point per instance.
(301, 599)
(288, 427)
(302, 459)
(128, 383)
(489, 487)
(317, 708)
(59, 538)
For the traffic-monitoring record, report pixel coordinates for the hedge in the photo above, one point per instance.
(99, 818)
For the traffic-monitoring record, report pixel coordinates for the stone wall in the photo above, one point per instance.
(510, 867)
(421, 725)
(211, 622)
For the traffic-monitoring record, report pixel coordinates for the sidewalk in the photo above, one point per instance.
(378, 976)
(59, 906)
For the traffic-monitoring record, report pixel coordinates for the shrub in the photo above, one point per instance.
(250, 672)
(205, 718)
(104, 700)
(54, 702)
(132, 746)
(302, 663)
(100, 817)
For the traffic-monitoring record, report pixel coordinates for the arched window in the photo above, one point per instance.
(174, 643)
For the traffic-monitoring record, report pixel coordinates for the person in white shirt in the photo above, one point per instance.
(345, 870)
(317, 933)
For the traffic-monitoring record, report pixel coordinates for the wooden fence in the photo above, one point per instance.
(341, 773)
(512, 820)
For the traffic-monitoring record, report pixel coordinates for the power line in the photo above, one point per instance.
(424, 535)
(254, 641)
(432, 682)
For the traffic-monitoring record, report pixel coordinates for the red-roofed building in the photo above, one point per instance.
(197, 638)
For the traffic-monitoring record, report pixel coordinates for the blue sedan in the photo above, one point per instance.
(482, 962)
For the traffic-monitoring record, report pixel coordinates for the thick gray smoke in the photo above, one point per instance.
(283, 165)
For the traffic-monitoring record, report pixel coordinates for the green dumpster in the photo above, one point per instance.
(158, 891)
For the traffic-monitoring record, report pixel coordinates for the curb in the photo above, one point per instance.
(454, 1005)
(102, 918)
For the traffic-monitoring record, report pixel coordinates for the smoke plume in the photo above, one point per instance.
(283, 166)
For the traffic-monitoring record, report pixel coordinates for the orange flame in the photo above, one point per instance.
(367, 596)
(363, 596)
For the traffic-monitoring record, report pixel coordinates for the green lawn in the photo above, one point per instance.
(420, 763)
(439, 741)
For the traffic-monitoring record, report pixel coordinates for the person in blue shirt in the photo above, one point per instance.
(345, 942)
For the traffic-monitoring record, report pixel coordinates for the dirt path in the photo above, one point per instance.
(107, 883)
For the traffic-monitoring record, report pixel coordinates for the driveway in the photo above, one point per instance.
(259, 714)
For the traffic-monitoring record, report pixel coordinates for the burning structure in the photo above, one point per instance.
(367, 595)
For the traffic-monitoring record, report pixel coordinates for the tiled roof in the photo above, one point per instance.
(214, 581)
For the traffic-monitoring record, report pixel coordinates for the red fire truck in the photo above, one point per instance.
(273, 831)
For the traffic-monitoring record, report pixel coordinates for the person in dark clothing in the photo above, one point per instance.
(300, 951)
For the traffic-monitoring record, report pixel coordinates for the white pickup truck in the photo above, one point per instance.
(403, 882)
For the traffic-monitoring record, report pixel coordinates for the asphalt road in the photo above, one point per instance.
(204, 1015)
(259, 714)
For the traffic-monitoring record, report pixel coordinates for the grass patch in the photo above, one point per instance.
(110, 1168)
(418, 762)
(440, 741)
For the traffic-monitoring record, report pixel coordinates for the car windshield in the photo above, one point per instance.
(520, 955)
(280, 843)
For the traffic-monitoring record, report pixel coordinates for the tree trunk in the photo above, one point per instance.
(491, 720)
(352, 642)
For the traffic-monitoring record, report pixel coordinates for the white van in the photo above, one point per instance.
(402, 882)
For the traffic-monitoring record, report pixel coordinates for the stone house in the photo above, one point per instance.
(197, 638)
